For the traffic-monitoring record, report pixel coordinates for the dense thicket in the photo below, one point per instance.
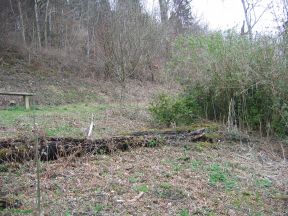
(230, 78)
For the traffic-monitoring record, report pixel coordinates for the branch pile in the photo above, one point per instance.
(52, 148)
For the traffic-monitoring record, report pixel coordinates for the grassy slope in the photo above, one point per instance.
(71, 120)
(66, 98)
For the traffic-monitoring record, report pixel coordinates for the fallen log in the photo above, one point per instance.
(52, 148)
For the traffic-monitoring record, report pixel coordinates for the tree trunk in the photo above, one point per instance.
(37, 23)
(45, 25)
(163, 11)
(248, 21)
(11, 6)
(22, 23)
(88, 31)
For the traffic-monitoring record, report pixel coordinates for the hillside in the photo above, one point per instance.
(58, 81)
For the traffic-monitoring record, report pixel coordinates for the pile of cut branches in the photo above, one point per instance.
(52, 148)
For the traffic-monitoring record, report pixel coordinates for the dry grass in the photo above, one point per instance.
(170, 180)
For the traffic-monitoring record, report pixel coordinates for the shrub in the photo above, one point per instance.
(181, 110)
(225, 74)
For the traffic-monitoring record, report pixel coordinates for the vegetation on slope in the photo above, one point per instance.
(227, 77)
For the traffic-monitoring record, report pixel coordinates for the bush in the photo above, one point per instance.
(181, 110)
(225, 74)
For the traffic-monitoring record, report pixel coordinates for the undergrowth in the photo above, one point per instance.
(228, 77)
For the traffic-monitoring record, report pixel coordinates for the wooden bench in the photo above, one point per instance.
(25, 96)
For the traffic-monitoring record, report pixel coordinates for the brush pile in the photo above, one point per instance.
(52, 148)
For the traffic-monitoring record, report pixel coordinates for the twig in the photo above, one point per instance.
(137, 197)
(134, 199)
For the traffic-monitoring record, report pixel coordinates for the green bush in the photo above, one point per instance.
(181, 110)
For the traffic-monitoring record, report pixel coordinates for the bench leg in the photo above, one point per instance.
(26, 101)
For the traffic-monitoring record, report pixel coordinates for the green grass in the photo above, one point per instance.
(219, 174)
(183, 212)
(98, 208)
(141, 188)
(64, 120)
(64, 130)
(133, 179)
(263, 183)
(67, 213)
(9, 116)
(20, 211)
(196, 164)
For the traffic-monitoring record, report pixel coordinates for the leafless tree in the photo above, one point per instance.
(133, 37)
(252, 17)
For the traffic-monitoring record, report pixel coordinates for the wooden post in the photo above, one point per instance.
(26, 101)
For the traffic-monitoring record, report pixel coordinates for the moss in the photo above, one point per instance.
(201, 146)
(210, 126)
(22, 149)
(4, 153)
(244, 200)
(214, 135)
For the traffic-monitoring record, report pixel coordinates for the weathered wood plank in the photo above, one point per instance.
(25, 96)
(17, 93)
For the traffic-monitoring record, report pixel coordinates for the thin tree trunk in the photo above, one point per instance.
(50, 21)
(11, 6)
(45, 25)
(22, 23)
(66, 38)
(63, 35)
(88, 27)
(37, 23)
(248, 21)
(163, 11)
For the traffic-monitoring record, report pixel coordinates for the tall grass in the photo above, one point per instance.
(220, 69)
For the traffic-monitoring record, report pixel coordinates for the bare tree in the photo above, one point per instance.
(133, 37)
(250, 8)
(118, 42)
